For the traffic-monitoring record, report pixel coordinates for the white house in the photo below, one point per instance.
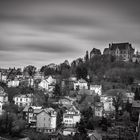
(13, 83)
(80, 84)
(48, 83)
(23, 100)
(50, 79)
(46, 120)
(96, 88)
(44, 84)
(107, 103)
(71, 117)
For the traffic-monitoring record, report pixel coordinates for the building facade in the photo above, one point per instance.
(71, 117)
(121, 51)
(46, 120)
(80, 84)
(23, 100)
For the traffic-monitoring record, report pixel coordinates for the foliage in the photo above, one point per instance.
(57, 90)
(81, 71)
(12, 91)
(117, 102)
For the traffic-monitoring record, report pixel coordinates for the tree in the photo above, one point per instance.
(117, 102)
(57, 90)
(31, 71)
(17, 127)
(81, 72)
(86, 57)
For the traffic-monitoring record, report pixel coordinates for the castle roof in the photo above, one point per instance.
(120, 46)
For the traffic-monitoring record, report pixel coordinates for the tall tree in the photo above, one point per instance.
(31, 71)
(86, 57)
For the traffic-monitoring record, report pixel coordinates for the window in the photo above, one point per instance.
(21, 99)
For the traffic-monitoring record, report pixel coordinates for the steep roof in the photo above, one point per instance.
(120, 46)
(95, 51)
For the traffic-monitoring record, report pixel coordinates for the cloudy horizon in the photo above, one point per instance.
(40, 32)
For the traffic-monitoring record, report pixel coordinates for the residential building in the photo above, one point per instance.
(23, 100)
(128, 96)
(66, 101)
(3, 99)
(30, 113)
(46, 120)
(13, 83)
(99, 109)
(48, 83)
(44, 84)
(122, 51)
(97, 89)
(95, 52)
(107, 104)
(71, 117)
(80, 84)
(69, 131)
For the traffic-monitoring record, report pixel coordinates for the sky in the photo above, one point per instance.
(40, 32)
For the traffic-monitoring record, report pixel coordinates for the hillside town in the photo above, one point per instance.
(96, 97)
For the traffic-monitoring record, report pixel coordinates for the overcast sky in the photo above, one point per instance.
(40, 32)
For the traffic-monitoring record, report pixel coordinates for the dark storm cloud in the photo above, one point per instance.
(56, 27)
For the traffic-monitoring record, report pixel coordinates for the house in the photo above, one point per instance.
(48, 83)
(128, 96)
(46, 120)
(66, 101)
(80, 84)
(3, 99)
(97, 89)
(50, 79)
(69, 131)
(107, 104)
(98, 109)
(44, 84)
(13, 83)
(95, 52)
(136, 106)
(71, 117)
(121, 51)
(30, 113)
(23, 100)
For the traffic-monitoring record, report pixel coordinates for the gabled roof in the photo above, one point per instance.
(36, 109)
(47, 110)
